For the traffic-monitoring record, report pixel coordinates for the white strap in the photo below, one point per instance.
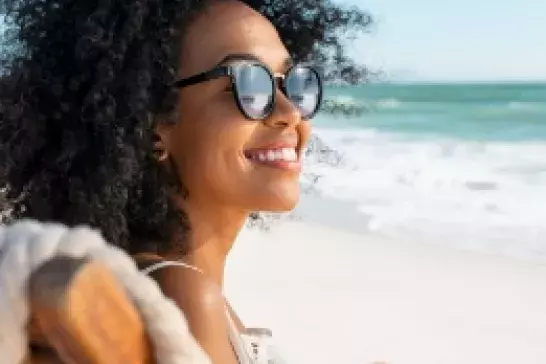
(241, 351)
(152, 268)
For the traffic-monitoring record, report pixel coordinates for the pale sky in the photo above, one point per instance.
(456, 40)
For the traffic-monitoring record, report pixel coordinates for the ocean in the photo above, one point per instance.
(458, 164)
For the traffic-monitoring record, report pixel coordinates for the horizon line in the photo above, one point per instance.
(469, 81)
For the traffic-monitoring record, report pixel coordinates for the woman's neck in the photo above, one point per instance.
(211, 237)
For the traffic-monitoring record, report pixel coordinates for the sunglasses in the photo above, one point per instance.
(255, 87)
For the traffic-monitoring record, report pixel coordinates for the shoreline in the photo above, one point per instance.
(320, 210)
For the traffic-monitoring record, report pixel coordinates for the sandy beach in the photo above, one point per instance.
(333, 296)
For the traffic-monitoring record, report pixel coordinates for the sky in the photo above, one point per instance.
(455, 40)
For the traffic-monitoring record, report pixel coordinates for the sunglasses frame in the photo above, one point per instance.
(276, 83)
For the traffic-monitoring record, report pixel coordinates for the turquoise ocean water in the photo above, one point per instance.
(463, 164)
(509, 112)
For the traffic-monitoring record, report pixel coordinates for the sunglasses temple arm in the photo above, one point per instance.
(218, 72)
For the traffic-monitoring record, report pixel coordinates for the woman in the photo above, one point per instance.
(166, 124)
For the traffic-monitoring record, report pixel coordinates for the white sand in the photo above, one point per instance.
(336, 297)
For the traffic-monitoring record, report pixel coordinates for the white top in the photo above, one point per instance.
(252, 347)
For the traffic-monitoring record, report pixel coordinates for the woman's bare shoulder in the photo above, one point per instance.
(202, 302)
(186, 286)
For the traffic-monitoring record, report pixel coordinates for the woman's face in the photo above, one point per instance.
(213, 144)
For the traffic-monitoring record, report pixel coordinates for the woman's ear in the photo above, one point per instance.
(162, 148)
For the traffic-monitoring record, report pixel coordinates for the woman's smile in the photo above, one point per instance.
(279, 155)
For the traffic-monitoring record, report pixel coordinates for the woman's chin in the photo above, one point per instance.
(281, 208)
(280, 204)
(272, 196)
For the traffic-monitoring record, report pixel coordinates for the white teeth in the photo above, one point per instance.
(293, 155)
(272, 155)
(289, 154)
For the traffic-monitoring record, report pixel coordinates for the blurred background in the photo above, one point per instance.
(447, 142)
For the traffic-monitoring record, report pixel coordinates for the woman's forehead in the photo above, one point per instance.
(230, 30)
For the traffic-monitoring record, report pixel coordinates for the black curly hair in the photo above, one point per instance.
(82, 82)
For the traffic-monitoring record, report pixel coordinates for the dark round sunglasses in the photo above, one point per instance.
(255, 87)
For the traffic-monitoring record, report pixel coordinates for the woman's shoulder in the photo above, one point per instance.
(182, 283)
(199, 298)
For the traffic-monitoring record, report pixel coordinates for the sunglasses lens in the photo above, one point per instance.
(255, 88)
(304, 89)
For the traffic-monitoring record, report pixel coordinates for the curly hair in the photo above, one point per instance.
(81, 86)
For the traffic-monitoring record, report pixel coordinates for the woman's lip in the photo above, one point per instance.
(273, 146)
(289, 159)
(289, 154)
(279, 164)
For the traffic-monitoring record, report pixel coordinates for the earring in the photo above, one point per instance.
(160, 153)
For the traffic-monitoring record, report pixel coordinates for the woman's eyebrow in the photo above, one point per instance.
(286, 64)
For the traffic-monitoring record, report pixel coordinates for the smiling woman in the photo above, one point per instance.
(165, 124)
